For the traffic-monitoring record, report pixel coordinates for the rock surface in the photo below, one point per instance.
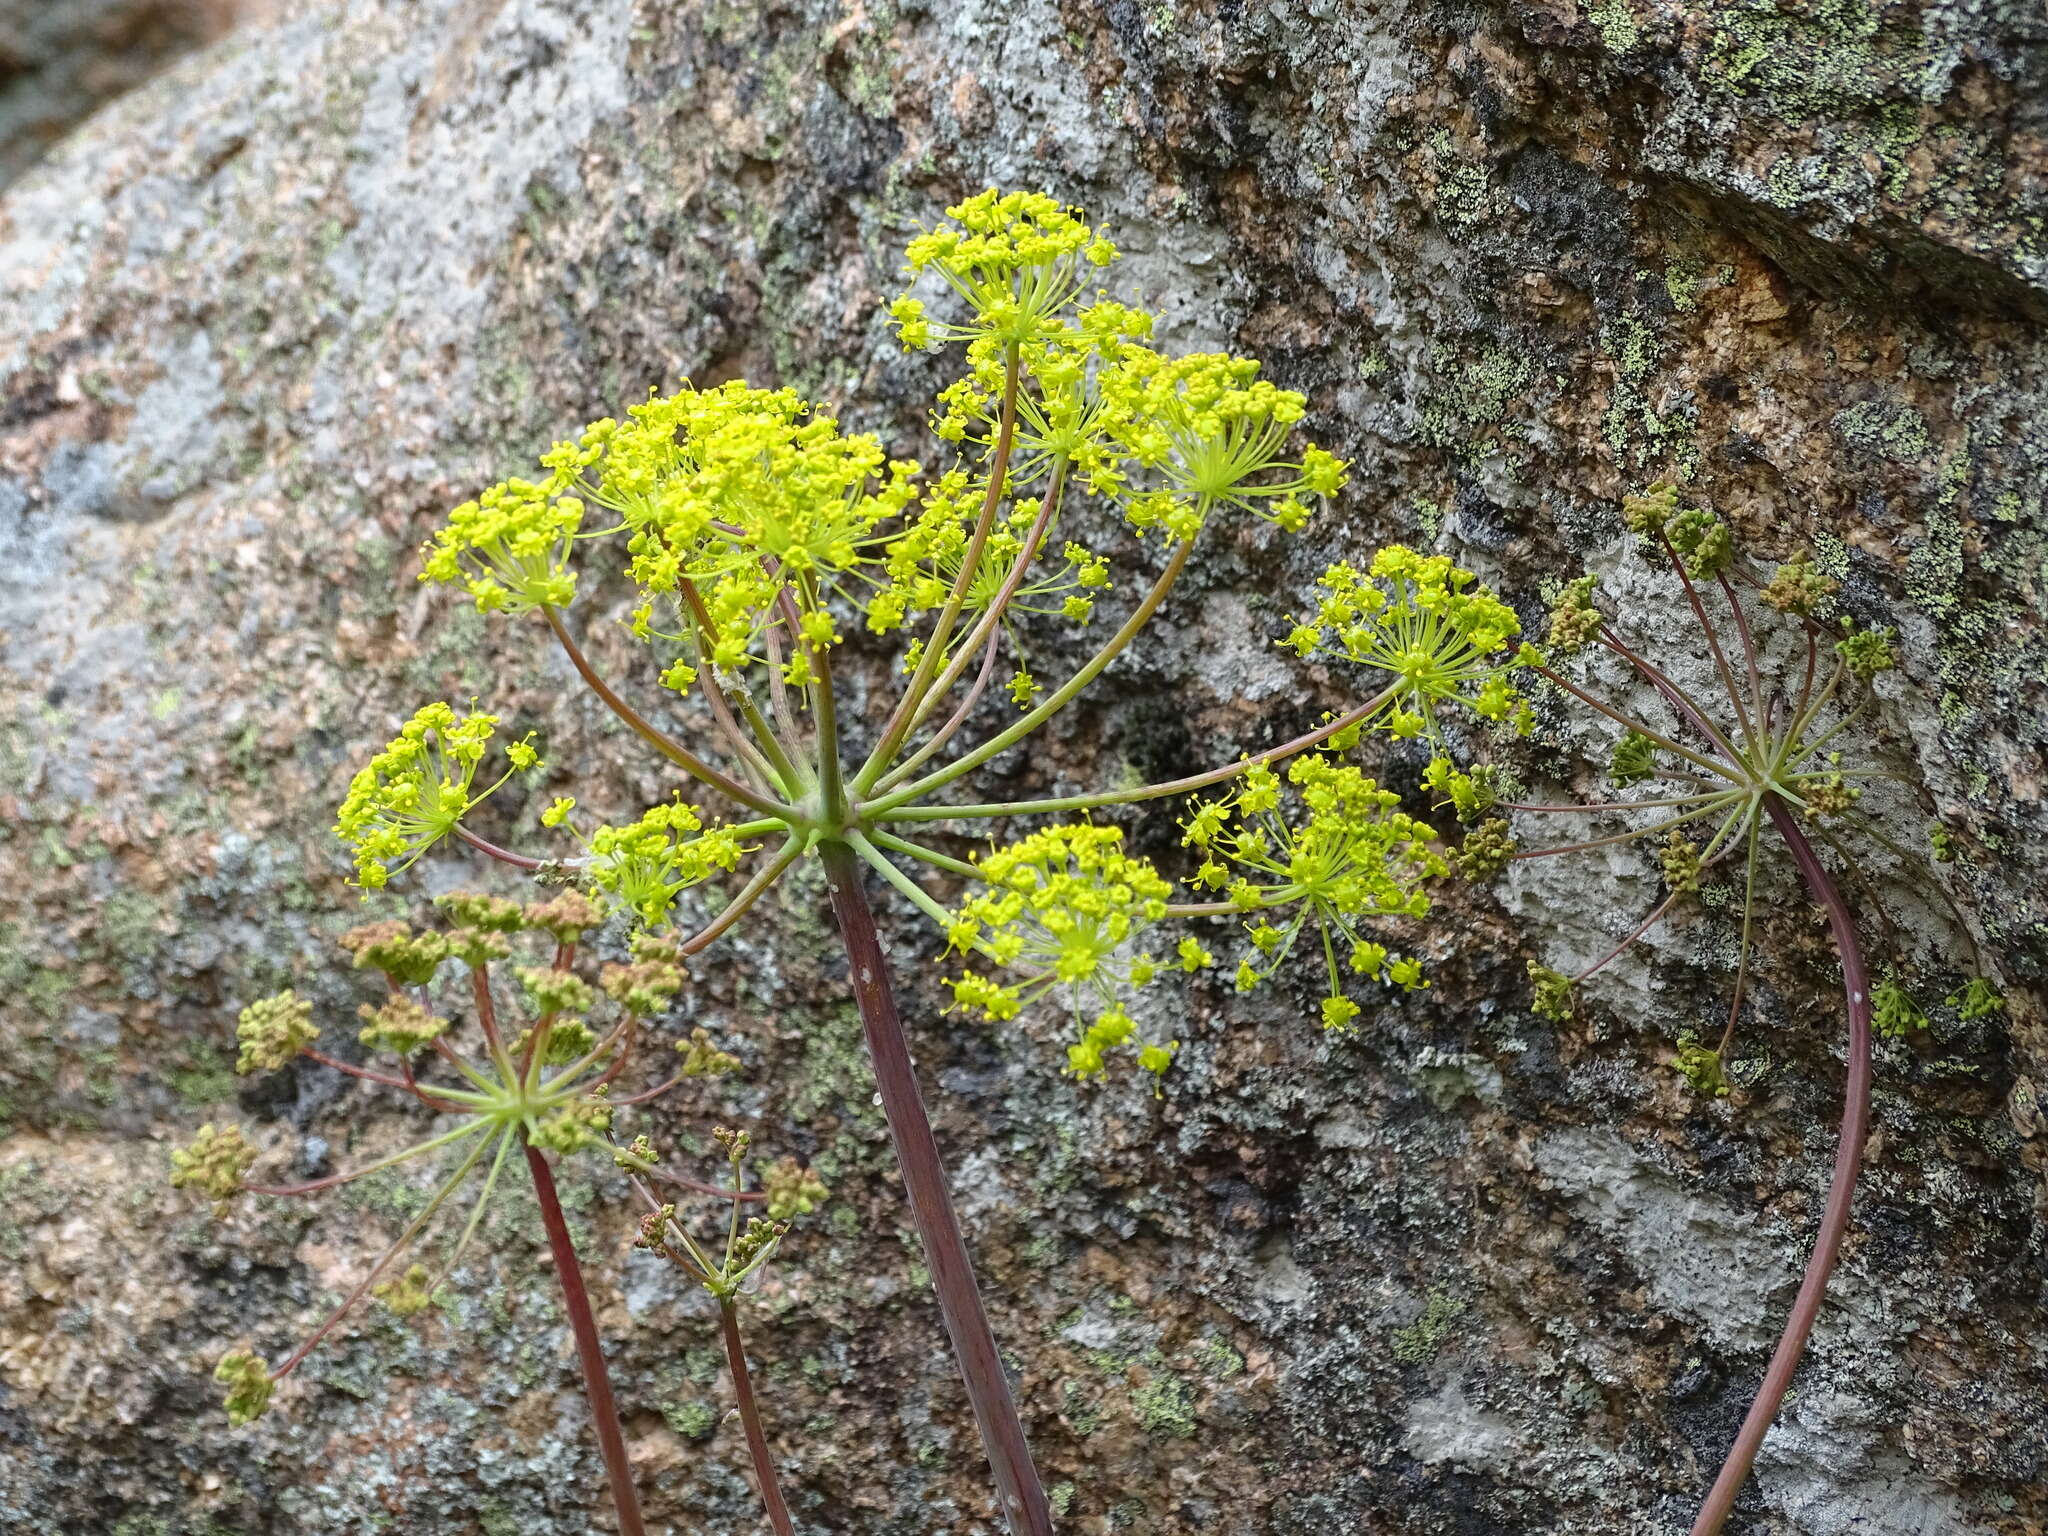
(60, 59)
(264, 320)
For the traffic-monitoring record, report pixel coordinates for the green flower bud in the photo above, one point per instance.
(273, 1030)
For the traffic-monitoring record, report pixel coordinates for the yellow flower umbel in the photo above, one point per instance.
(1207, 432)
(643, 866)
(1064, 909)
(414, 792)
(1444, 638)
(735, 496)
(1016, 258)
(510, 547)
(1349, 857)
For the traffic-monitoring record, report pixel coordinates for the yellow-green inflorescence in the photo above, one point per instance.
(273, 1030)
(755, 528)
(1065, 911)
(1427, 623)
(1327, 849)
(418, 788)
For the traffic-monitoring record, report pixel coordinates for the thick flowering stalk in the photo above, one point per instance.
(1019, 1493)
(1765, 754)
(757, 534)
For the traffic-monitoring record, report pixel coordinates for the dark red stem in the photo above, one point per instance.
(750, 1416)
(1018, 1491)
(1834, 1221)
(597, 1380)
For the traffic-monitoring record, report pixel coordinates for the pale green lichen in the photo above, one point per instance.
(1421, 1339)
(1165, 1406)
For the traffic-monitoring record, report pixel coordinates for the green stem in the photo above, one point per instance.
(904, 716)
(911, 890)
(1188, 785)
(454, 1182)
(1037, 717)
(750, 893)
(333, 1180)
(924, 855)
(1719, 770)
(983, 632)
(655, 737)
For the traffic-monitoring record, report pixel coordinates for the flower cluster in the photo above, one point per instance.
(545, 1082)
(1211, 433)
(214, 1163)
(1425, 621)
(643, 866)
(1574, 620)
(414, 792)
(1349, 856)
(1065, 908)
(737, 497)
(510, 547)
(1014, 257)
(272, 1030)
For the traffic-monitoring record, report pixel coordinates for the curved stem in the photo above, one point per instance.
(951, 728)
(750, 893)
(1640, 929)
(768, 758)
(1834, 1222)
(1756, 682)
(452, 1183)
(1018, 1491)
(467, 1128)
(1719, 770)
(364, 1073)
(1683, 704)
(1729, 686)
(654, 736)
(597, 1381)
(982, 637)
(750, 1416)
(699, 1187)
(911, 890)
(502, 855)
(1623, 837)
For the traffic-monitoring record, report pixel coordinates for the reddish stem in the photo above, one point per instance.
(486, 1012)
(1834, 1222)
(699, 1187)
(352, 1070)
(597, 1381)
(750, 1416)
(1018, 1491)
(502, 855)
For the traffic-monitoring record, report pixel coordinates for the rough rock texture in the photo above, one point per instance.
(262, 321)
(59, 59)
